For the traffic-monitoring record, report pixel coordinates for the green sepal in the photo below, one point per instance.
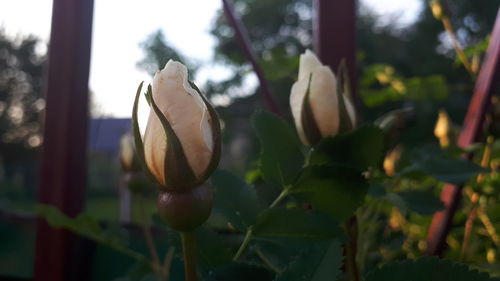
(139, 146)
(309, 126)
(178, 174)
(216, 134)
(148, 95)
(345, 122)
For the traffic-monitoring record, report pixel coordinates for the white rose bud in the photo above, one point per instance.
(128, 158)
(320, 104)
(182, 138)
(444, 129)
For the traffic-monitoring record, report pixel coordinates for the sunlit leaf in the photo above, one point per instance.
(424, 203)
(321, 262)
(211, 250)
(359, 149)
(441, 166)
(235, 199)
(335, 190)
(296, 223)
(281, 157)
(427, 269)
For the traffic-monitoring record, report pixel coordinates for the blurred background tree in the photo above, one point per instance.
(157, 52)
(21, 106)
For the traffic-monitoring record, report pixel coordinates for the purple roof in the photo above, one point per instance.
(105, 134)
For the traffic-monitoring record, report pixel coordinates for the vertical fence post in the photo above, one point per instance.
(334, 39)
(334, 35)
(486, 83)
(64, 159)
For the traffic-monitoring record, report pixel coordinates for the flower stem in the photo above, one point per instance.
(244, 244)
(146, 229)
(167, 262)
(280, 197)
(474, 197)
(457, 46)
(189, 251)
(248, 235)
(351, 249)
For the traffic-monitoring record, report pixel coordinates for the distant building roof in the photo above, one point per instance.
(105, 134)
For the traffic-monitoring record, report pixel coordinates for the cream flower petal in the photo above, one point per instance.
(188, 116)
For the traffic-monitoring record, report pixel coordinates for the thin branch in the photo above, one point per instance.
(351, 249)
(474, 197)
(244, 40)
(167, 263)
(189, 251)
(248, 235)
(146, 229)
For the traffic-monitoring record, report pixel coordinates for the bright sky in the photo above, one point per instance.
(120, 25)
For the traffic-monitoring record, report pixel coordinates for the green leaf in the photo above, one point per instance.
(427, 269)
(424, 203)
(376, 190)
(296, 223)
(235, 199)
(359, 149)
(210, 249)
(82, 224)
(86, 226)
(281, 158)
(441, 166)
(343, 92)
(240, 272)
(139, 146)
(276, 253)
(309, 125)
(334, 190)
(321, 262)
(138, 271)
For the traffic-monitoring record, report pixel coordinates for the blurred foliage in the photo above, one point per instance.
(427, 268)
(21, 100)
(21, 107)
(158, 51)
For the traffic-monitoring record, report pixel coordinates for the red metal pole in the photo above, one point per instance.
(487, 82)
(334, 31)
(64, 163)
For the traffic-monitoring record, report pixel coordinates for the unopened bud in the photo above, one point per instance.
(436, 8)
(320, 102)
(184, 211)
(443, 129)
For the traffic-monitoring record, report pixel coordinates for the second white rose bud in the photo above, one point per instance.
(320, 106)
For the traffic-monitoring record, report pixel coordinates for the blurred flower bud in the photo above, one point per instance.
(391, 160)
(184, 211)
(182, 139)
(320, 103)
(436, 8)
(128, 158)
(137, 182)
(444, 129)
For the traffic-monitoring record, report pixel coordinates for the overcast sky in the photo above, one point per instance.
(120, 25)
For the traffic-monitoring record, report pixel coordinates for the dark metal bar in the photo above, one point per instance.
(451, 195)
(64, 162)
(244, 40)
(334, 33)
